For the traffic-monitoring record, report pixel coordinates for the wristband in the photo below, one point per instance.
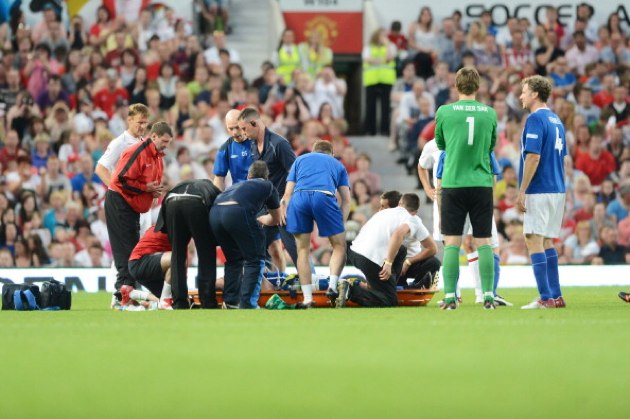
(387, 262)
(407, 262)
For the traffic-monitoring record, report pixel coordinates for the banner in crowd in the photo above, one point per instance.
(340, 22)
(407, 11)
(94, 280)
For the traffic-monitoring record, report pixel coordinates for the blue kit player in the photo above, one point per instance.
(542, 193)
(310, 196)
(235, 155)
(235, 222)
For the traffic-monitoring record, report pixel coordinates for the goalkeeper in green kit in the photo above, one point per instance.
(466, 132)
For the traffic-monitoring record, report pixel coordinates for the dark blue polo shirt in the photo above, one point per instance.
(278, 155)
(252, 195)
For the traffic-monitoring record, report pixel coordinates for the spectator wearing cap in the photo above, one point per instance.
(106, 98)
(581, 54)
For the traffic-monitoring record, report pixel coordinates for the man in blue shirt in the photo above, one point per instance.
(235, 224)
(235, 155)
(310, 196)
(542, 191)
(276, 151)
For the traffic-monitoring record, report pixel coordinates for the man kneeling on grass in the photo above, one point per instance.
(379, 251)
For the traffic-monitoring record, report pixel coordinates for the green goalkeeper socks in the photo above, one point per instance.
(486, 267)
(451, 268)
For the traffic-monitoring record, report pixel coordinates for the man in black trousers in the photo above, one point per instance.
(184, 215)
(237, 227)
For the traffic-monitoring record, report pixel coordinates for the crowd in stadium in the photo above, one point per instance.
(65, 92)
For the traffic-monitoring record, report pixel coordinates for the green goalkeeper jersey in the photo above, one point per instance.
(466, 130)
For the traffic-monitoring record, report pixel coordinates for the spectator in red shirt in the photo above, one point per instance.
(106, 98)
(11, 150)
(396, 37)
(598, 163)
(605, 97)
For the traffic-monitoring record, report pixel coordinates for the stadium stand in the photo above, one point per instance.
(65, 88)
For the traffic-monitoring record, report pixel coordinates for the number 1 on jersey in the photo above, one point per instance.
(471, 129)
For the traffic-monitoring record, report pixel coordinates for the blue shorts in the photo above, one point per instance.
(306, 207)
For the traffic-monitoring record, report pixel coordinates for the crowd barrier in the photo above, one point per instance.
(101, 279)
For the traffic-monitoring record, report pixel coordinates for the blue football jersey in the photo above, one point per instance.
(234, 157)
(544, 135)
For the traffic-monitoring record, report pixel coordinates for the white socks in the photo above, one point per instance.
(166, 292)
(473, 263)
(334, 279)
(307, 292)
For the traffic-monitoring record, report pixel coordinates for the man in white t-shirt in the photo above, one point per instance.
(379, 251)
(137, 122)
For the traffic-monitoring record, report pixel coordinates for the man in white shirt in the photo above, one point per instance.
(211, 55)
(581, 54)
(379, 251)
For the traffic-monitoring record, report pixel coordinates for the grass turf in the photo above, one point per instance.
(404, 362)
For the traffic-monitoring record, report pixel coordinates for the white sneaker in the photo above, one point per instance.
(165, 304)
(500, 301)
(133, 307)
(478, 299)
(115, 304)
(536, 304)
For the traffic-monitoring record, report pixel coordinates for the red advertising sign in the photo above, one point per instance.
(341, 31)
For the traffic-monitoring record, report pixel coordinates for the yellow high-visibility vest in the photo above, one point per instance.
(287, 63)
(384, 73)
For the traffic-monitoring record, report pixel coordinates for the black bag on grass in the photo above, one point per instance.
(8, 292)
(55, 294)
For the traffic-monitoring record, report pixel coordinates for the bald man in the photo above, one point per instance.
(235, 155)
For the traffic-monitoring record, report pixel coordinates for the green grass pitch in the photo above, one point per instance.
(92, 362)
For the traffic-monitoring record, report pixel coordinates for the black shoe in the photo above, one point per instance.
(343, 289)
(226, 306)
(303, 306)
(332, 296)
(625, 296)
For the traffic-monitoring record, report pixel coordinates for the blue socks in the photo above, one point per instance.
(553, 275)
(539, 264)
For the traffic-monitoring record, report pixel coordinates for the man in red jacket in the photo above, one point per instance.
(136, 181)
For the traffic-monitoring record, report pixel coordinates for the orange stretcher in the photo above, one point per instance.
(406, 298)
